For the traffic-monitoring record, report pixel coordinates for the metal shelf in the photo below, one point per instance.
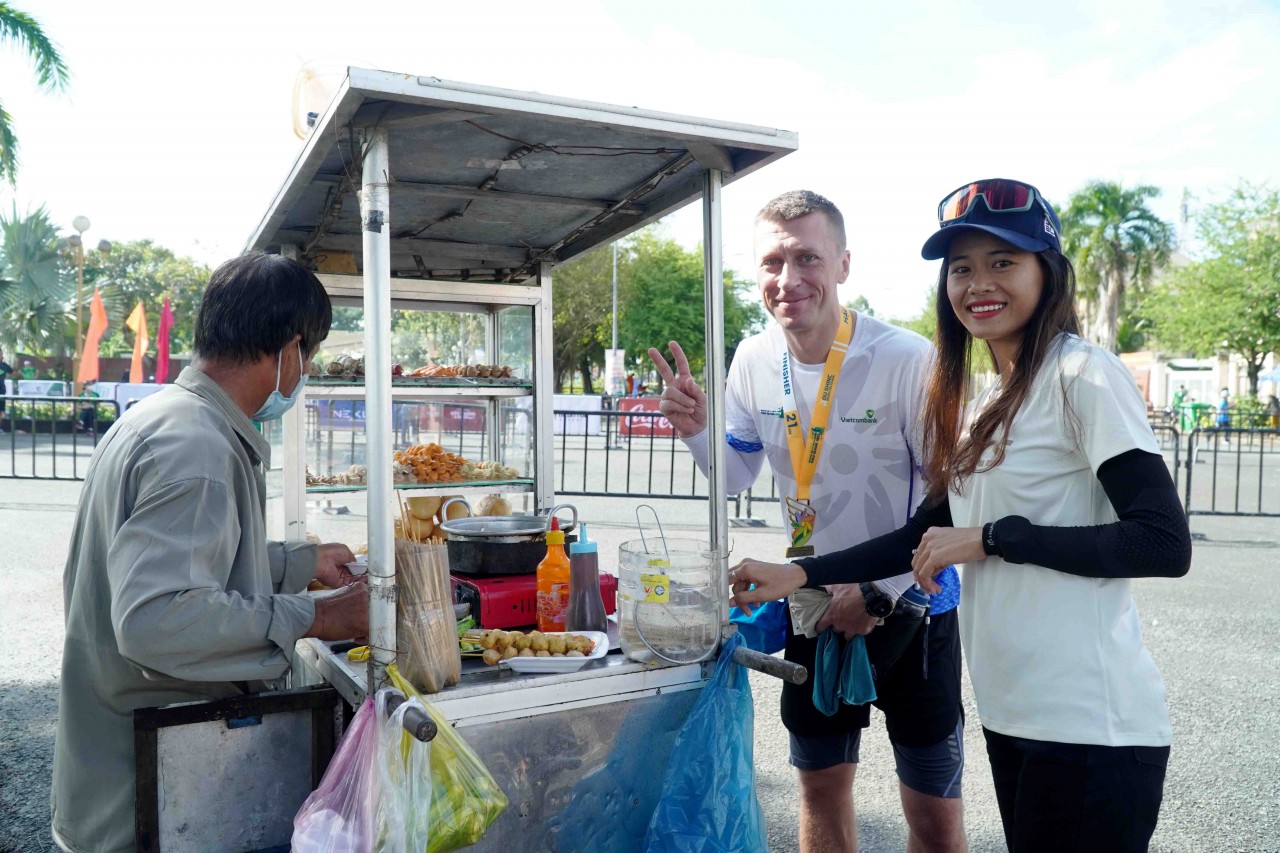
(465, 487)
(356, 391)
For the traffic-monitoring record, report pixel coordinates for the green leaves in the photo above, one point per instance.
(1230, 300)
(51, 75)
(1115, 242)
(36, 292)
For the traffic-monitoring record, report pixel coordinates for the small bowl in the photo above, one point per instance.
(360, 566)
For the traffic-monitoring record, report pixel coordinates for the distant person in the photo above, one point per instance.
(642, 389)
(124, 375)
(172, 591)
(1049, 489)
(28, 370)
(6, 370)
(1273, 411)
(1179, 397)
(631, 384)
(88, 419)
(1223, 418)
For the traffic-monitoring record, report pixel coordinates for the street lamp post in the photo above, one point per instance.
(76, 242)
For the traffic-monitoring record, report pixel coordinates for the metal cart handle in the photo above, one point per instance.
(769, 665)
(416, 721)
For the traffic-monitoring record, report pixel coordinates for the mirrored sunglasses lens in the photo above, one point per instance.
(1006, 195)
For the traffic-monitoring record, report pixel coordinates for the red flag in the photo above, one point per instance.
(162, 342)
(138, 323)
(97, 326)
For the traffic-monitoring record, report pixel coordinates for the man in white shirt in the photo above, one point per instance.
(860, 482)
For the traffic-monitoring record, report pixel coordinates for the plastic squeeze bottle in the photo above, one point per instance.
(553, 581)
(586, 605)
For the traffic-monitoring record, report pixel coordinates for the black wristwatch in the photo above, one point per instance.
(878, 602)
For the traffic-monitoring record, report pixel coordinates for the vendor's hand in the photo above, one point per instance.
(941, 547)
(772, 581)
(683, 402)
(342, 615)
(331, 567)
(847, 612)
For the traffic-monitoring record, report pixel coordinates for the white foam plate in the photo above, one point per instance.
(360, 566)
(547, 665)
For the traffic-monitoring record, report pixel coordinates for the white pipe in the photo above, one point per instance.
(375, 220)
(713, 270)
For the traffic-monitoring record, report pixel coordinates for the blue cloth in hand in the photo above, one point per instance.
(765, 630)
(841, 673)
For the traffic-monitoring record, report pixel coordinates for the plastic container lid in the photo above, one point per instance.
(555, 536)
(583, 545)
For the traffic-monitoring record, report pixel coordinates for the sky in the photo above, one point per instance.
(178, 122)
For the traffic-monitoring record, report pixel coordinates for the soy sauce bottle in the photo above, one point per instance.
(586, 604)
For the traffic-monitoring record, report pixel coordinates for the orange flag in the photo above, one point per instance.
(137, 322)
(97, 326)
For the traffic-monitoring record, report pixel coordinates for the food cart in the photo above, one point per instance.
(421, 194)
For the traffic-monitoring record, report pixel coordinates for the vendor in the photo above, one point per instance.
(172, 591)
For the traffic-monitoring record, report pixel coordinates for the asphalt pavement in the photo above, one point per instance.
(1214, 635)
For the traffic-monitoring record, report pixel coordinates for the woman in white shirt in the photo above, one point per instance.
(1050, 491)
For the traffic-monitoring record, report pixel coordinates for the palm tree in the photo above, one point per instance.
(36, 293)
(51, 74)
(1116, 242)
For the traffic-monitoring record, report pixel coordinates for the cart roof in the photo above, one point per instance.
(488, 182)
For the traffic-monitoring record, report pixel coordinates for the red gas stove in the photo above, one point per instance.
(511, 601)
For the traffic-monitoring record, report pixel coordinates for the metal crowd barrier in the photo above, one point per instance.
(1242, 468)
(51, 438)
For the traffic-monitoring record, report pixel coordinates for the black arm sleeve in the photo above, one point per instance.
(885, 556)
(1150, 540)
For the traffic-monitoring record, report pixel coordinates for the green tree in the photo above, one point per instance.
(1116, 243)
(582, 310)
(51, 75)
(662, 300)
(141, 271)
(1230, 300)
(35, 289)
(860, 304)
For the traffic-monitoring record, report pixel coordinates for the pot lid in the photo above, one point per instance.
(484, 526)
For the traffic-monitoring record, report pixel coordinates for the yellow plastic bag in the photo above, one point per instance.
(465, 798)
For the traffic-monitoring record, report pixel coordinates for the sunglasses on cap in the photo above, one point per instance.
(1000, 195)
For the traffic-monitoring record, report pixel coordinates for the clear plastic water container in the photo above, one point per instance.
(669, 601)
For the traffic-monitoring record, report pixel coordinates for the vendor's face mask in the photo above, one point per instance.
(277, 404)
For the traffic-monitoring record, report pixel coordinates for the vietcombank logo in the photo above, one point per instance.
(869, 419)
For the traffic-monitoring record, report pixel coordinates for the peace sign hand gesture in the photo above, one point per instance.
(683, 402)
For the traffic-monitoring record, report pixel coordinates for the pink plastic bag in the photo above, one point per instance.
(340, 816)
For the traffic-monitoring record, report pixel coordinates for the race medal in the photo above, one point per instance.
(802, 517)
(804, 454)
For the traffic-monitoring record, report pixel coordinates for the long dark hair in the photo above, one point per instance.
(948, 460)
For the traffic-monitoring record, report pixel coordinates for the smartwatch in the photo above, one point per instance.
(878, 602)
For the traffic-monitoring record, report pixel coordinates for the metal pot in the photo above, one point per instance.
(500, 544)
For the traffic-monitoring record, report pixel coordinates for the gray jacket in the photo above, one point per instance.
(172, 593)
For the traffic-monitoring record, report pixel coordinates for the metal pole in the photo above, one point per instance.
(544, 375)
(375, 219)
(713, 269)
(75, 368)
(612, 383)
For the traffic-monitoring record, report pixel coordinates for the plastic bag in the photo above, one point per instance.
(404, 775)
(340, 816)
(765, 630)
(465, 798)
(708, 801)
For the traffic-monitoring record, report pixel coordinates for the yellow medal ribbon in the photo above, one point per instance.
(805, 453)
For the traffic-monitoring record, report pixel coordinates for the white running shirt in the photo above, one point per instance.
(1053, 656)
(867, 482)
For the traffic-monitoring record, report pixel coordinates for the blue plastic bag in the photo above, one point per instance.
(765, 630)
(708, 802)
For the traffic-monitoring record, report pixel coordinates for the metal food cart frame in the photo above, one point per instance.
(492, 188)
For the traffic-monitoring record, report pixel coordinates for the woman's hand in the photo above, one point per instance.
(941, 547)
(772, 581)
